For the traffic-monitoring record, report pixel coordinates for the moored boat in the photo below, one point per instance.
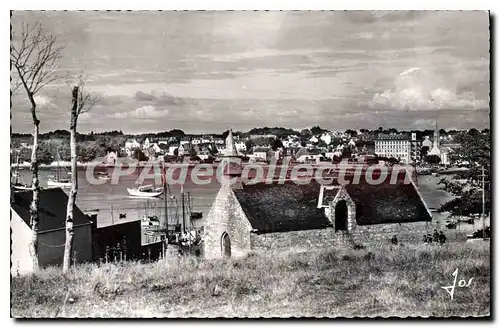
(57, 181)
(61, 183)
(103, 176)
(145, 191)
(21, 186)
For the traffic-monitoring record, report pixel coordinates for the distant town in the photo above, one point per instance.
(431, 146)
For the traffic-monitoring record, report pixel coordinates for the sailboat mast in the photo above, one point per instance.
(183, 212)
(165, 196)
(17, 168)
(482, 214)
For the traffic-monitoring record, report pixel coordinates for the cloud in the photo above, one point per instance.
(212, 70)
(147, 111)
(161, 98)
(141, 96)
(419, 89)
(42, 101)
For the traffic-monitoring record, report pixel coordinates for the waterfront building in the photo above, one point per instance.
(397, 145)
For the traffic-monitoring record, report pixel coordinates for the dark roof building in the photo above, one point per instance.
(52, 209)
(51, 233)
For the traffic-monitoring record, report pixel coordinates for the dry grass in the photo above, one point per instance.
(391, 281)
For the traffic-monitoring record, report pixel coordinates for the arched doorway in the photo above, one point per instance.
(226, 245)
(341, 215)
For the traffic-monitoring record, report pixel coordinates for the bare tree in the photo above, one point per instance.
(82, 102)
(34, 58)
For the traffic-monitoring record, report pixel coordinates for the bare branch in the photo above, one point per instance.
(86, 99)
(35, 58)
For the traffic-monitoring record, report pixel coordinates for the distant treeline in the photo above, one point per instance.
(278, 131)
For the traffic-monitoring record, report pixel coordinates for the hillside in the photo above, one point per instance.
(390, 281)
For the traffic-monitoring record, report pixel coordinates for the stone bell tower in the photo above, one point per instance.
(231, 164)
(226, 229)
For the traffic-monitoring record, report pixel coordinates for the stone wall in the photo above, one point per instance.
(368, 236)
(294, 240)
(226, 215)
(381, 234)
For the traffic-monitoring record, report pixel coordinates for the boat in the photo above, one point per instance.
(21, 186)
(61, 183)
(57, 181)
(103, 176)
(145, 191)
(423, 171)
(18, 186)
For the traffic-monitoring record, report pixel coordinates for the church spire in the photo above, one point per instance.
(230, 150)
(436, 135)
(231, 163)
(435, 145)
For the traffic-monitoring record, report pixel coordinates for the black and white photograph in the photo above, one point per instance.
(250, 164)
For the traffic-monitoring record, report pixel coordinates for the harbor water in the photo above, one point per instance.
(115, 205)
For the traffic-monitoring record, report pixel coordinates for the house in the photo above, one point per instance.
(186, 149)
(51, 233)
(132, 144)
(258, 136)
(172, 148)
(155, 148)
(261, 216)
(427, 143)
(305, 155)
(220, 147)
(261, 152)
(196, 141)
(111, 157)
(218, 141)
(240, 146)
(327, 138)
(185, 140)
(206, 140)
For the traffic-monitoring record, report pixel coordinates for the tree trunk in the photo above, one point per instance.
(35, 185)
(70, 233)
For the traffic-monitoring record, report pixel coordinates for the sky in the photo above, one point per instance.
(206, 72)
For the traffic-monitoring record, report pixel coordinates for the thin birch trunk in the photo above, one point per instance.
(35, 185)
(70, 233)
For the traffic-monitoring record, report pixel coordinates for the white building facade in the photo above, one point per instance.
(394, 145)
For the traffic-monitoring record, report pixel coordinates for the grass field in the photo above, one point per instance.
(397, 281)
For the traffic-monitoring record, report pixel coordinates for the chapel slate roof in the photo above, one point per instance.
(282, 207)
(291, 207)
(387, 203)
(52, 209)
